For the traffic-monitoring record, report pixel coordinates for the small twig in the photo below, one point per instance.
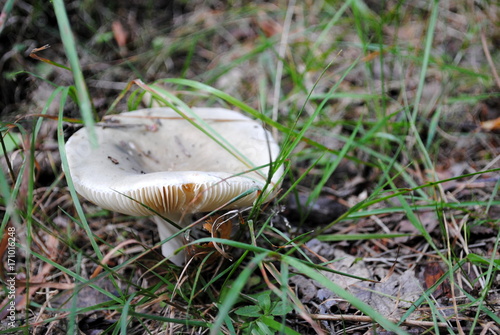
(7, 159)
(490, 326)
(475, 177)
(110, 255)
(362, 318)
(490, 60)
(35, 285)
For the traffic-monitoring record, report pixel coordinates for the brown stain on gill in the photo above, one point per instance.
(188, 188)
(192, 193)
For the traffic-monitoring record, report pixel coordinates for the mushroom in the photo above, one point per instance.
(155, 161)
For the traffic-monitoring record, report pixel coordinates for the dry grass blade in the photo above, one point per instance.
(111, 254)
(34, 55)
(491, 63)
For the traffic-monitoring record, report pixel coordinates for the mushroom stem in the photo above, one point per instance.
(166, 229)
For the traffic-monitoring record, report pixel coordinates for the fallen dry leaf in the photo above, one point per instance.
(390, 297)
(110, 255)
(3, 248)
(491, 124)
(219, 226)
(269, 26)
(432, 273)
(3, 16)
(119, 34)
(37, 281)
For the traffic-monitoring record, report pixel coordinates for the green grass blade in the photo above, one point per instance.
(425, 60)
(81, 88)
(71, 187)
(6, 10)
(73, 311)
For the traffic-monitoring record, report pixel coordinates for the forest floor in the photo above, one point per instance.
(387, 219)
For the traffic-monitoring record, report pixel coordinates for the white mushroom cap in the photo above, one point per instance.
(154, 158)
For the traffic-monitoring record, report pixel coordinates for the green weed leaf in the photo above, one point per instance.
(281, 308)
(264, 300)
(251, 311)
